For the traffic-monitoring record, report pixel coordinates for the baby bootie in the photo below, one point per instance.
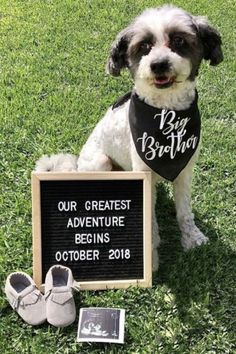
(25, 298)
(60, 305)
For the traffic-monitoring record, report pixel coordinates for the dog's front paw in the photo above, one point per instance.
(193, 238)
(59, 162)
(91, 161)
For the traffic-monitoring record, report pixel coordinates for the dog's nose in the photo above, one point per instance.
(160, 67)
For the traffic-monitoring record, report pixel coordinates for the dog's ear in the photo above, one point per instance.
(211, 41)
(118, 56)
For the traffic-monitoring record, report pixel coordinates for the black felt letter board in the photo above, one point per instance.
(119, 247)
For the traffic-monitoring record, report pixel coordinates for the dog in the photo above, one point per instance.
(156, 127)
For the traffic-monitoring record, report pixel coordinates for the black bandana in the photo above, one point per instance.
(164, 139)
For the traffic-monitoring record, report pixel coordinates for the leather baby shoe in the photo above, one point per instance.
(60, 305)
(25, 298)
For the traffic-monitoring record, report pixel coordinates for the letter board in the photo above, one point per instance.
(98, 224)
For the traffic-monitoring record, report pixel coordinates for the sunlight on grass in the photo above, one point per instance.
(53, 92)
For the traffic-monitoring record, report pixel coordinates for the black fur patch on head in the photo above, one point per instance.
(140, 46)
(212, 45)
(188, 46)
(118, 56)
(211, 41)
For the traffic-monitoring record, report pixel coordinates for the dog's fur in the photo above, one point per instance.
(163, 49)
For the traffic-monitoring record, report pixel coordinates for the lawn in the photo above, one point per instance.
(53, 90)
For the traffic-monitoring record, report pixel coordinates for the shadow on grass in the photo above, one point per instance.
(202, 279)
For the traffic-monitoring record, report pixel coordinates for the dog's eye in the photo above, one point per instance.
(178, 41)
(145, 47)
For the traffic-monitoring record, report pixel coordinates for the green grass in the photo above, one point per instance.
(53, 90)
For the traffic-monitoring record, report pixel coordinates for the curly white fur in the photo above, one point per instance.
(111, 143)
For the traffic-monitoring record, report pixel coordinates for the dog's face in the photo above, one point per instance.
(163, 48)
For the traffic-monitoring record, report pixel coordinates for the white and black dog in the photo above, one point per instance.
(157, 126)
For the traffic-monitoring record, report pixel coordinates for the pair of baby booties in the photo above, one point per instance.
(57, 305)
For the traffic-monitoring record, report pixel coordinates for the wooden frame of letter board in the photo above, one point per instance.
(36, 177)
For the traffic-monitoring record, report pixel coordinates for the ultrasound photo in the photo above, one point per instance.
(101, 325)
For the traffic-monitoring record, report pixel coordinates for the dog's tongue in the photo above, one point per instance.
(162, 80)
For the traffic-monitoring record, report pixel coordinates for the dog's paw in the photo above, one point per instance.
(193, 238)
(59, 162)
(94, 162)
